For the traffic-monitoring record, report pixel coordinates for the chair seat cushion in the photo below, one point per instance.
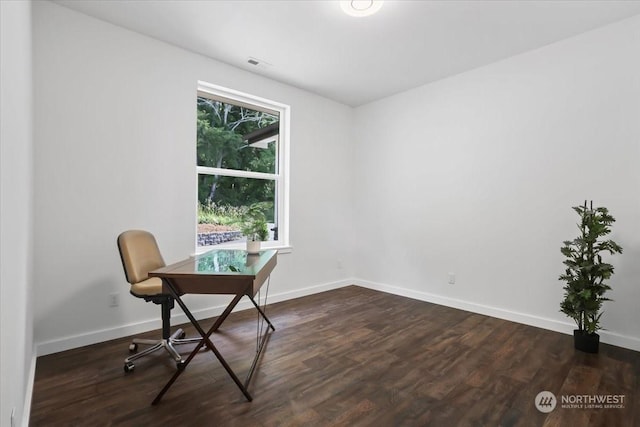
(151, 286)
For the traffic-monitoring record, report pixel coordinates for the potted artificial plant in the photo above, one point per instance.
(586, 274)
(253, 225)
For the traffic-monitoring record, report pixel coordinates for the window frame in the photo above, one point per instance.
(281, 175)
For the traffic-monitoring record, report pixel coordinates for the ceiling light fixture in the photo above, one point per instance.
(361, 8)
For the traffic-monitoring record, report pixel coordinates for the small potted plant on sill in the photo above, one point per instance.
(586, 274)
(253, 225)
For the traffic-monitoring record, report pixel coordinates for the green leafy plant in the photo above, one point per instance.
(253, 222)
(586, 273)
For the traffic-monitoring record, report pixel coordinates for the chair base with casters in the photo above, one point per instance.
(140, 254)
(168, 341)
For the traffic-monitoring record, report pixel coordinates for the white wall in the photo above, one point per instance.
(114, 149)
(16, 193)
(476, 175)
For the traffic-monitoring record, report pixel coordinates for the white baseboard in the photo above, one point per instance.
(178, 317)
(608, 337)
(625, 341)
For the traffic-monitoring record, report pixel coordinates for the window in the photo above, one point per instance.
(242, 161)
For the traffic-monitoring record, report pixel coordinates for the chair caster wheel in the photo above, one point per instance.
(128, 367)
(180, 365)
(182, 335)
(133, 347)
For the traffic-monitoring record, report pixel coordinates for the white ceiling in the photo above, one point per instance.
(315, 46)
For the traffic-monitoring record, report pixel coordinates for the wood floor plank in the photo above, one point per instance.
(347, 357)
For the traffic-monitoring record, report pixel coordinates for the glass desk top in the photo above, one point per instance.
(231, 261)
(221, 262)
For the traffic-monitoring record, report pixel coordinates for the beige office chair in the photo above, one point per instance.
(140, 254)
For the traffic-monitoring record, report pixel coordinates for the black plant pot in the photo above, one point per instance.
(589, 343)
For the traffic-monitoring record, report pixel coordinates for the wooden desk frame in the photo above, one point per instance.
(177, 283)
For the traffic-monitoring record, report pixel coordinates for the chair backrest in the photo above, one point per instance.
(140, 254)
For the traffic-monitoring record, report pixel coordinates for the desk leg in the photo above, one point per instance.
(261, 340)
(205, 340)
(260, 347)
(262, 313)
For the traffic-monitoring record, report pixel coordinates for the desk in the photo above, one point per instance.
(228, 272)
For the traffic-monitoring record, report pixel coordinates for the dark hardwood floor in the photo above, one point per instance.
(352, 357)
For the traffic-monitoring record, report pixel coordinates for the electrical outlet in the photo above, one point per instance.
(114, 300)
(452, 278)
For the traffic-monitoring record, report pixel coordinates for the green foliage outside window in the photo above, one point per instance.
(219, 215)
(221, 144)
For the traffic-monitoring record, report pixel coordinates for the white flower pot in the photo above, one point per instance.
(253, 246)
